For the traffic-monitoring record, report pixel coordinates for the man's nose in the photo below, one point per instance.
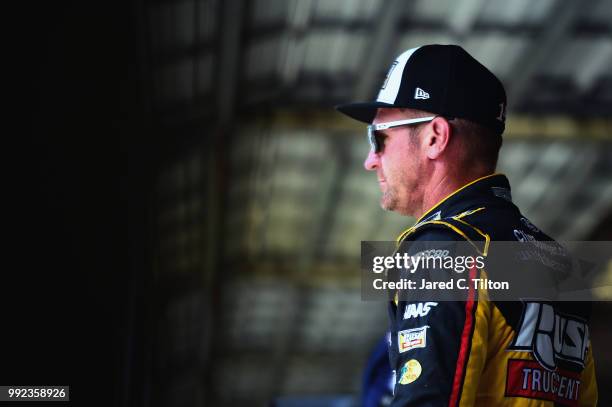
(372, 161)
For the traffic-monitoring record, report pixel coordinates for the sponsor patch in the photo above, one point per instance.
(527, 378)
(418, 310)
(410, 371)
(551, 336)
(412, 338)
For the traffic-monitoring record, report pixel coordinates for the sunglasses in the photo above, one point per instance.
(375, 137)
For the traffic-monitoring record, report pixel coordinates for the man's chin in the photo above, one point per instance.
(387, 204)
(391, 205)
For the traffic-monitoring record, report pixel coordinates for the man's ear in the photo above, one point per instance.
(438, 137)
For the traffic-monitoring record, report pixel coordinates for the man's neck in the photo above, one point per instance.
(441, 187)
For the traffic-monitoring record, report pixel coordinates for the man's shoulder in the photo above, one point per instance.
(459, 226)
(481, 220)
(447, 230)
(504, 222)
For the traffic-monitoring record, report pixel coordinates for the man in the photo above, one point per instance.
(435, 134)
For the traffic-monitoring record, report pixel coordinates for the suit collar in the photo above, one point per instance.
(463, 198)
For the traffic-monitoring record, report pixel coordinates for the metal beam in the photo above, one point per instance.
(540, 51)
(380, 49)
(518, 126)
(530, 189)
(229, 55)
(587, 219)
(464, 17)
(576, 173)
(300, 14)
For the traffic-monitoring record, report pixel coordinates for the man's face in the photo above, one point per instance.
(400, 167)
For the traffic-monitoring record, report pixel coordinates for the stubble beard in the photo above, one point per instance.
(399, 194)
(389, 199)
(401, 186)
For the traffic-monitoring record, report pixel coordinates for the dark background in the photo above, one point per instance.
(82, 297)
(76, 190)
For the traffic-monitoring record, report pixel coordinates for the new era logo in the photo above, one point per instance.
(420, 94)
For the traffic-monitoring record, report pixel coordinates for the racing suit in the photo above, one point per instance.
(479, 352)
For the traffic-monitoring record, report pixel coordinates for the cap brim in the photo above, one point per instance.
(362, 111)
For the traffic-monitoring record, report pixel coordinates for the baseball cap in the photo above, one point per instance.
(441, 79)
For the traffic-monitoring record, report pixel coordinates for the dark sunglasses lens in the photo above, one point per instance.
(374, 141)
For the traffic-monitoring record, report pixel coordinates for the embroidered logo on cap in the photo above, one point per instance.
(393, 65)
(420, 94)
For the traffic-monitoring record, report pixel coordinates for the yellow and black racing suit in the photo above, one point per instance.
(479, 352)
